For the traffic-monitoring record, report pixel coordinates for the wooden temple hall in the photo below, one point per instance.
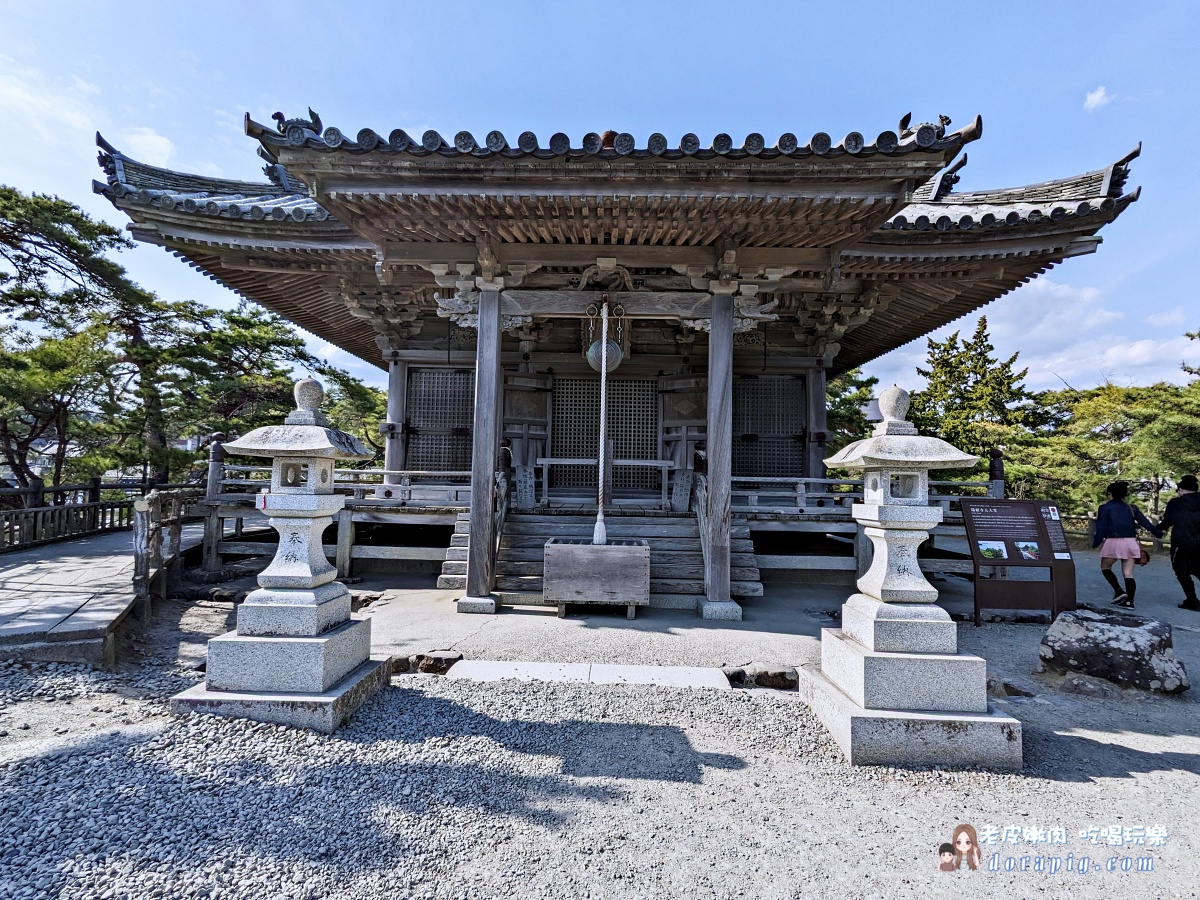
(737, 278)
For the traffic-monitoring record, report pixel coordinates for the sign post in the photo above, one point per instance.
(1019, 534)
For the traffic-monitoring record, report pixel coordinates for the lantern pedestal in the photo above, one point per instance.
(323, 712)
(889, 737)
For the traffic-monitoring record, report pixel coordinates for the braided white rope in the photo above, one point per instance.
(600, 534)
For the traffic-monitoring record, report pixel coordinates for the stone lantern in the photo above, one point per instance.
(297, 657)
(892, 687)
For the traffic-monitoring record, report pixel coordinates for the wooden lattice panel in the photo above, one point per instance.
(440, 415)
(769, 425)
(632, 427)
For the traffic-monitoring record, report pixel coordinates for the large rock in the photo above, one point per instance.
(1123, 648)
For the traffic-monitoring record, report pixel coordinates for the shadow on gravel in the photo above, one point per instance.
(1076, 758)
(587, 749)
(211, 795)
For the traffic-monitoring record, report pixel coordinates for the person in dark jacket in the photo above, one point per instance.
(1182, 516)
(1116, 536)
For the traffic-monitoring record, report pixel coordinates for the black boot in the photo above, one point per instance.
(1130, 591)
(1111, 578)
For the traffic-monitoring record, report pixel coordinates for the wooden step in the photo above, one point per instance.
(588, 519)
(657, 557)
(674, 531)
(691, 570)
(553, 529)
(687, 544)
(657, 585)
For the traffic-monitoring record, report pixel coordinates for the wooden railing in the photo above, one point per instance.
(500, 512)
(812, 496)
(700, 506)
(413, 488)
(835, 496)
(21, 528)
(947, 494)
(157, 538)
(664, 466)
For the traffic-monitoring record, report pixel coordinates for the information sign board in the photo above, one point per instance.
(1019, 534)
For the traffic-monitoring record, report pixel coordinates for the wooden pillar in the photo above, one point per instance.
(216, 468)
(485, 441)
(717, 603)
(397, 401)
(814, 461)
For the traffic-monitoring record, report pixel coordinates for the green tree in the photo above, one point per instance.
(972, 399)
(1148, 436)
(49, 386)
(354, 407)
(52, 254)
(177, 369)
(846, 397)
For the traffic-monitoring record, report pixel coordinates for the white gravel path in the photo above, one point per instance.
(456, 789)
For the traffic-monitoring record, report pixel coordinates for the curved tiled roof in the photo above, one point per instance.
(273, 243)
(281, 200)
(308, 133)
(937, 206)
(961, 214)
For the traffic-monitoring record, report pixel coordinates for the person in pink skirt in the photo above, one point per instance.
(1116, 536)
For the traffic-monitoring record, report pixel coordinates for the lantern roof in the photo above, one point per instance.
(305, 432)
(896, 444)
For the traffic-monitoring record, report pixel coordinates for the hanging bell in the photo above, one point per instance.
(615, 355)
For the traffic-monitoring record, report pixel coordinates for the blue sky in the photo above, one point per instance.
(1062, 88)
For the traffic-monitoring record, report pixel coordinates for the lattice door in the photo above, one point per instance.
(632, 427)
(768, 426)
(439, 419)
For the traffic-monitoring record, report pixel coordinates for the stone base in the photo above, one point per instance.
(296, 613)
(874, 737)
(485, 605)
(899, 627)
(725, 610)
(98, 652)
(912, 681)
(323, 712)
(310, 665)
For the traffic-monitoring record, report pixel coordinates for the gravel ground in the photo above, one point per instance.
(455, 790)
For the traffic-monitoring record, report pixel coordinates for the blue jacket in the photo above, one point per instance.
(1117, 519)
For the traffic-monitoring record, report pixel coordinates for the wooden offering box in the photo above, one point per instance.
(581, 572)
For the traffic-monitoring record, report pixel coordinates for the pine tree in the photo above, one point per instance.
(846, 397)
(973, 400)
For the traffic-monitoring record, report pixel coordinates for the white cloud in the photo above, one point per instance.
(29, 103)
(1064, 333)
(1171, 317)
(148, 146)
(1093, 100)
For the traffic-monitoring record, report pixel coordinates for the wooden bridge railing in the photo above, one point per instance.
(157, 539)
(20, 528)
